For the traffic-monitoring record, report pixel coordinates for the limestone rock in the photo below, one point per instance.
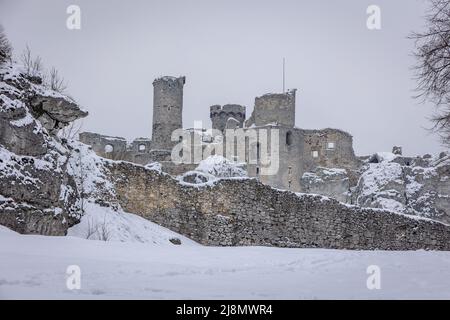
(55, 112)
(418, 186)
(38, 194)
(333, 183)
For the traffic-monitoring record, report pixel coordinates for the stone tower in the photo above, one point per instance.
(228, 116)
(167, 110)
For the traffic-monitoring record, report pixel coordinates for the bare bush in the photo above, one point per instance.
(71, 131)
(55, 82)
(33, 66)
(101, 230)
(104, 233)
(433, 65)
(91, 229)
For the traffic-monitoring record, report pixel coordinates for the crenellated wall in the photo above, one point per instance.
(221, 115)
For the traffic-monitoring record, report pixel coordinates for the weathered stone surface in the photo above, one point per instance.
(53, 109)
(55, 112)
(418, 186)
(221, 114)
(333, 183)
(246, 212)
(37, 194)
(19, 132)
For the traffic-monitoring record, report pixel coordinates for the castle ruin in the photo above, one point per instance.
(300, 150)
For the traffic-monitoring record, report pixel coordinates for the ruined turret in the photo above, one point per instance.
(167, 110)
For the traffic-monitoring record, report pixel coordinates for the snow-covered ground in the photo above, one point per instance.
(35, 267)
(103, 223)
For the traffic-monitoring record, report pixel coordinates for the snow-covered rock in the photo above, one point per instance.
(156, 166)
(419, 186)
(382, 157)
(37, 192)
(330, 182)
(221, 167)
(211, 169)
(196, 177)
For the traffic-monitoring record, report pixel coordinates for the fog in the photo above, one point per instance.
(347, 76)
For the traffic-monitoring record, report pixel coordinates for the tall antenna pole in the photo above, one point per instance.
(284, 74)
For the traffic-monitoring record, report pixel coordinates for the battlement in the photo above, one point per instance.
(228, 108)
(170, 81)
(221, 115)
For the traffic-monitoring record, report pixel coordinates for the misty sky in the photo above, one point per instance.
(231, 51)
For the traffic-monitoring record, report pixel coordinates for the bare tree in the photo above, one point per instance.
(81, 178)
(433, 65)
(101, 229)
(91, 228)
(104, 233)
(5, 47)
(33, 66)
(71, 131)
(55, 81)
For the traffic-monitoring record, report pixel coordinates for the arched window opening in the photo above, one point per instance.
(109, 148)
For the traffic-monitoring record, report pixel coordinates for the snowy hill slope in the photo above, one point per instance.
(115, 270)
(104, 223)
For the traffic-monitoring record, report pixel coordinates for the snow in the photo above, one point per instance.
(330, 173)
(34, 267)
(104, 223)
(384, 156)
(25, 121)
(87, 168)
(12, 165)
(378, 175)
(10, 104)
(197, 179)
(220, 166)
(155, 166)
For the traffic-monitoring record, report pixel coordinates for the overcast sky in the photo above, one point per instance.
(347, 76)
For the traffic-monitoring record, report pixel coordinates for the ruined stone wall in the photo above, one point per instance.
(318, 151)
(296, 155)
(246, 212)
(140, 145)
(289, 159)
(274, 108)
(105, 146)
(167, 110)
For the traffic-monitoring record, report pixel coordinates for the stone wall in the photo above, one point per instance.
(220, 114)
(105, 146)
(274, 108)
(246, 212)
(334, 149)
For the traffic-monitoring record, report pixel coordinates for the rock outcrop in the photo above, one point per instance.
(333, 183)
(37, 192)
(418, 186)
